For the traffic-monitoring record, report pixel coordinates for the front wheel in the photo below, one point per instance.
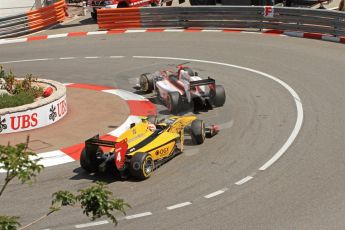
(141, 166)
(198, 131)
(146, 83)
(173, 102)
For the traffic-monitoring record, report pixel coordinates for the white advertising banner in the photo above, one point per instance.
(34, 118)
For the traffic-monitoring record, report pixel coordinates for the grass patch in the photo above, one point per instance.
(22, 98)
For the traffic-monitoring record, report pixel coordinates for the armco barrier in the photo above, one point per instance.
(32, 21)
(279, 18)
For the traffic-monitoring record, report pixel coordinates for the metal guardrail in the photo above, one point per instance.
(21, 24)
(279, 18)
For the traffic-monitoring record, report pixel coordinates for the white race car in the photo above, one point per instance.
(183, 87)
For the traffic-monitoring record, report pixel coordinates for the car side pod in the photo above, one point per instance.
(212, 130)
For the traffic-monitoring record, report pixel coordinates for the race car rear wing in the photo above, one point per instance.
(208, 81)
(120, 150)
(95, 141)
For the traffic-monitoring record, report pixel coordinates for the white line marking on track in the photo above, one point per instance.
(138, 215)
(244, 180)
(28, 60)
(95, 57)
(216, 193)
(91, 224)
(117, 56)
(298, 103)
(67, 58)
(180, 205)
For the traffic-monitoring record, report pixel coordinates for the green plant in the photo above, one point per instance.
(9, 222)
(22, 98)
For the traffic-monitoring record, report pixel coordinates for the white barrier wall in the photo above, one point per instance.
(34, 118)
(13, 7)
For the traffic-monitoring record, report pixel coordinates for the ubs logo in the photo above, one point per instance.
(3, 126)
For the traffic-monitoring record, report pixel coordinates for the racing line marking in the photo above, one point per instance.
(91, 224)
(216, 193)
(139, 215)
(180, 205)
(244, 180)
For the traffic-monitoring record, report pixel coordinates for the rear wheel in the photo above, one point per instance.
(219, 98)
(173, 102)
(198, 131)
(146, 82)
(89, 161)
(141, 166)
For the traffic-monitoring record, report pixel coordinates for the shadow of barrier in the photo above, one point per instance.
(32, 21)
(225, 17)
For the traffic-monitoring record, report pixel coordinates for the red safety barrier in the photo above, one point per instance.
(47, 16)
(108, 19)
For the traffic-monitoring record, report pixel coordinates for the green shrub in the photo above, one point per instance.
(22, 98)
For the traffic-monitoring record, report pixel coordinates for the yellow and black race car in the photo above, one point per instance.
(145, 145)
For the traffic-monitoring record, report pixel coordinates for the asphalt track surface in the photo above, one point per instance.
(304, 189)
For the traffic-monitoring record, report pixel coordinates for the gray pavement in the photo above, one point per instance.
(303, 190)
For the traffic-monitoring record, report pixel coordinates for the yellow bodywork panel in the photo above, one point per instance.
(160, 144)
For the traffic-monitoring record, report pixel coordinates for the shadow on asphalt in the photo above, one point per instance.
(109, 176)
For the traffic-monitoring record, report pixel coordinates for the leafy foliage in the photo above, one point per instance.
(96, 201)
(9, 222)
(21, 91)
(19, 163)
(63, 198)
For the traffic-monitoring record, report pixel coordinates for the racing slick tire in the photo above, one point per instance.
(146, 82)
(219, 98)
(141, 166)
(89, 162)
(198, 133)
(173, 102)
